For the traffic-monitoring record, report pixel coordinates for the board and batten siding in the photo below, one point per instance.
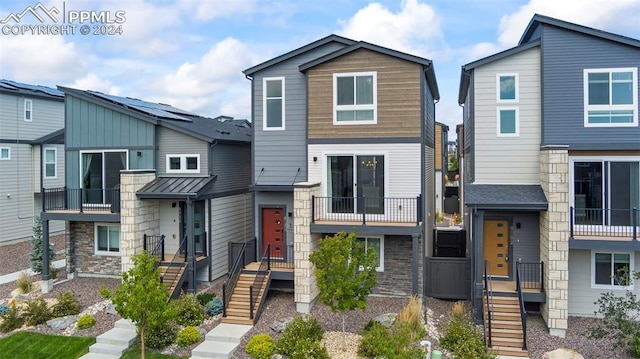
(172, 142)
(231, 221)
(47, 117)
(398, 96)
(232, 165)
(513, 159)
(280, 153)
(581, 295)
(402, 161)
(566, 55)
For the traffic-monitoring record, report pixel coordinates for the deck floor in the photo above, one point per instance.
(504, 286)
(286, 267)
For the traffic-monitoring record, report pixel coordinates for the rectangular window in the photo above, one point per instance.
(183, 163)
(107, 239)
(50, 163)
(508, 122)
(362, 175)
(355, 98)
(100, 175)
(28, 110)
(273, 103)
(5, 153)
(610, 97)
(611, 270)
(507, 87)
(376, 244)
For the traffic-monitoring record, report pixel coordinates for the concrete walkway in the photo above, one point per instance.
(112, 343)
(12, 277)
(220, 342)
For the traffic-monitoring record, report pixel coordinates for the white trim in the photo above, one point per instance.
(379, 268)
(633, 107)
(8, 153)
(28, 109)
(183, 163)
(264, 104)
(517, 88)
(611, 287)
(355, 107)
(517, 119)
(95, 239)
(55, 163)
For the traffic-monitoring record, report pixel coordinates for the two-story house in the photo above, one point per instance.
(31, 154)
(144, 175)
(344, 141)
(551, 167)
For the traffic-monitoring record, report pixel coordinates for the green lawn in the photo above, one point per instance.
(34, 345)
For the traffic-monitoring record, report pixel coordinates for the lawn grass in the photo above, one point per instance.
(134, 353)
(35, 345)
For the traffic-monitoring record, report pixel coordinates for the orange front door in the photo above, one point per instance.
(273, 231)
(496, 246)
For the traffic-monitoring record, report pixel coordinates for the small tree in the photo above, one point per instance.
(345, 272)
(35, 256)
(141, 297)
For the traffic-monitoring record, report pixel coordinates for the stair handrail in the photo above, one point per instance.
(488, 290)
(258, 281)
(177, 278)
(157, 242)
(232, 279)
(523, 311)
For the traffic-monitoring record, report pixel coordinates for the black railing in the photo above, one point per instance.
(81, 199)
(171, 261)
(281, 255)
(604, 222)
(154, 245)
(367, 209)
(230, 284)
(531, 274)
(258, 281)
(523, 311)
(488, 292)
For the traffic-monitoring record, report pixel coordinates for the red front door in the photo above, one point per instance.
(273, 231)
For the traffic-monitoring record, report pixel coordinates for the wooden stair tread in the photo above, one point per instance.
(501, 350)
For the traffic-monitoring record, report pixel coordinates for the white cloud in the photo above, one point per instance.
(93, 82)
(206, 10)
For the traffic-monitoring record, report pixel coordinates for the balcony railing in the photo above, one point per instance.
(81, 199)
(604, 222)
(367, 209)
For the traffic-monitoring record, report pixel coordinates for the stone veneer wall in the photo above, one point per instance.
(304, 242)
(82, 259)
(137, 217)
(397, 276)
(554, 237)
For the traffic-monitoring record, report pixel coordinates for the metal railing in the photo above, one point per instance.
(367, 209)
(281, 256)
(523, 311)
(230, 284)
(488, 292)
(604, 222)
(258, 281)
(81, 199)
(171, 261)
(531, 274)
(154, 245)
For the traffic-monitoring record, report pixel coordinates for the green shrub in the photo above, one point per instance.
(161, 336)
(188, 310)
(261, 346)
(24, 283)
(67, 304)
(4, 309)
(11, 320)
(205, 298)
(463, 339)
(306, 348)
(300, 339)
(635, 347)
(86, 321)
(396, 342)
(214, 306)
(375, 341)
(188, 335)
(36, 312)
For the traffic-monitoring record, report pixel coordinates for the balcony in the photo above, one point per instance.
(80, 200)
(604, 224)
(390, 211)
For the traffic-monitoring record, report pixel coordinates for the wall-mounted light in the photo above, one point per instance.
(315, 159)
(139, 153)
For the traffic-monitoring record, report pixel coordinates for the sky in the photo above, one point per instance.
(190, 54)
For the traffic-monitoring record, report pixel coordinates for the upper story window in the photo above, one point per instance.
(508, 122)
(5, 153)
(183, 163)
(610, 97)
(50, 162)
(28, 110)
(273, 103)
(507, 87)
(355, 98)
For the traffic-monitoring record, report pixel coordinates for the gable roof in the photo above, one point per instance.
(539, 20)
(314, 45)
(204, 128)
(22, 89)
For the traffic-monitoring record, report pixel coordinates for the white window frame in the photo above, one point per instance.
(95, 238)
(517, 88)
(28, 110)
(55, 162)
(610, 107)
(183, 163)
(354, 107)
(380, 268)
(8, 154)
(264, 104)
(517, 111)
(612, 287)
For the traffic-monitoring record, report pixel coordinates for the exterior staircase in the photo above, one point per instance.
(238, 308)
(173, 276)
(506, 326)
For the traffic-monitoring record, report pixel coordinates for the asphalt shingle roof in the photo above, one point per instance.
(501, 196)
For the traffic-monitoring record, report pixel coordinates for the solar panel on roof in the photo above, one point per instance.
(35, 88)
(7, 86)
(159, 113)
(154, 109)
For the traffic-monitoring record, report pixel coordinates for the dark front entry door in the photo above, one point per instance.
(273, 231)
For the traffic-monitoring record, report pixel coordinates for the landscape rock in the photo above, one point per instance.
(562, 353)
(386, 319)
(62, 322)
(278, 326)
(111, 309)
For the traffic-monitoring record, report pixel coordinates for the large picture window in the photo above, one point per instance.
(612, 270)
(610, 97)
(273, 103)
(355, 98)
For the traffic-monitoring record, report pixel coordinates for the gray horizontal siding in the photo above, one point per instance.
(231, 221)
(47, 117)
(177, 143)
(565, 55)
(232, 165)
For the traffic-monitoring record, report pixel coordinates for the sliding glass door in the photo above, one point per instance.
(359, 175)
(100, 171)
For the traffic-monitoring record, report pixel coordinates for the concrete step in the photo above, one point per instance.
(230, 333)
(214, 349)
(117, 336)
(110, 349)
(124, 324)
(99, 356)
